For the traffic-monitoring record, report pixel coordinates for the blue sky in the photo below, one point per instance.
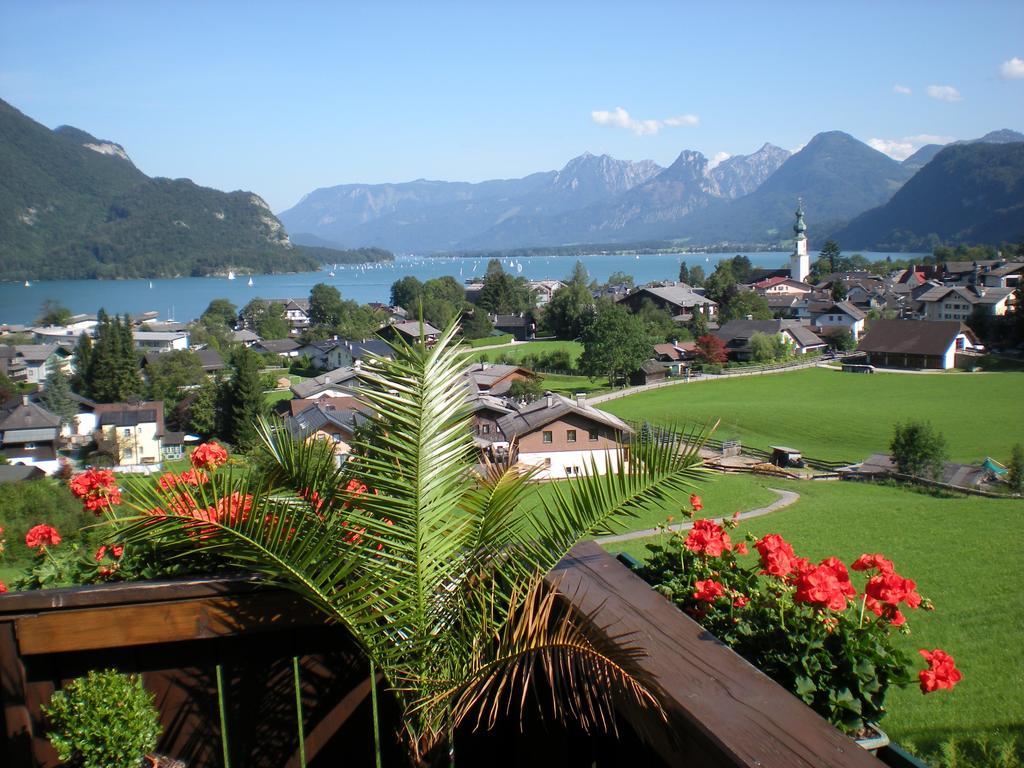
(281, 98)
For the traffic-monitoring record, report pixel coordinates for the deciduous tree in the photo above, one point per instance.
(918, 450)
(615, 344)
(711, 349)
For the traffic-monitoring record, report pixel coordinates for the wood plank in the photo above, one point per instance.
(122, 593)
(163, 622)
(17, 747)
(728, 711)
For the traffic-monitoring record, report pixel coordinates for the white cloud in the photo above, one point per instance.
(718, 159)
(901, 89)
(944, 93)
(901, 149)
(1012, 69)
(620, 118)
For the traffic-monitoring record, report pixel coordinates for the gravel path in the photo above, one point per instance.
(785, 499)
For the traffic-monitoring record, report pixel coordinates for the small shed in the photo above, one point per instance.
(783, 456)
(650, 372)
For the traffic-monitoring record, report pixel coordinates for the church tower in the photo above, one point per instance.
(799, 262)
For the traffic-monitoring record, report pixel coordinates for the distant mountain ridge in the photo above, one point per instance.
(924, 155)
(74, 206)
(969, 193)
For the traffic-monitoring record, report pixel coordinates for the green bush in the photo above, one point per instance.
(37, 502)
(103, 720)
(712, 368)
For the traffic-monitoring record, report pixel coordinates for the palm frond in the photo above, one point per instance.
(584, 672)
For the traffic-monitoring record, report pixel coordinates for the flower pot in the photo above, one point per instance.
(873, 738)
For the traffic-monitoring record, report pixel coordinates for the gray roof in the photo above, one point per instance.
(210, 359)
(485, 375)
(28, 416)
(37, 352)
(532, 417)
(681, 295)
(967, 293)
(413, 329)
(244, 335)
(360, 349)
(316, 417)
(912, 337)
(22, 436)
(329, 380)
(846, 308)
(13, 473)
(736, 331)
(961, 475)
(279, 346)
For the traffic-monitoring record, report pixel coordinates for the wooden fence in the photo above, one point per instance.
(720, 710)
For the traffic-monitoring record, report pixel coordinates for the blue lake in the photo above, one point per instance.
(185, 298)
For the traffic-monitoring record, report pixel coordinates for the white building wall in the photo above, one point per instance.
(565, 464)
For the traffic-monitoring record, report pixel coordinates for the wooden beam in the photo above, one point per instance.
(163, 622)
(727, 712)
(17, 721)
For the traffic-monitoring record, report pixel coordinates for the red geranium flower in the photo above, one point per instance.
(777, 556)
(941, 673)
(741, 548)
(740, 601)
(3, 587)
(115, 550)
(209, 456)
(234, 509)
(42, 536)
(893, 589)
(97, 488)
(168, 480)
(696, 502)
(195, 477)
(709, 538)
(708, 590)
(867, 562)
(827, 585)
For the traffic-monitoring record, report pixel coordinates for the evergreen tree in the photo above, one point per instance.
(830, 255)
(81, 360)
(56, 396)
(697, 278)
(684, 273)
(698, 325)
(503, 294)
(243, 403)
(1015, 474)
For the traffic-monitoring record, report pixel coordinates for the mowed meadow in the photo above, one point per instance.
(831, 415)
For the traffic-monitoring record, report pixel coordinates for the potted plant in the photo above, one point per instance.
(103, 720)
(804, 624)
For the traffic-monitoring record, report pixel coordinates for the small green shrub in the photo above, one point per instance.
(103, 720)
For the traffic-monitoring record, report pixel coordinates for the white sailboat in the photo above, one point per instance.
(250, 281)
(151, 285)
(231, 274)
(28, 284)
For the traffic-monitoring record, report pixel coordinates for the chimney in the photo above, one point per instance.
(581, 399)
(550, 398)
(327, 378)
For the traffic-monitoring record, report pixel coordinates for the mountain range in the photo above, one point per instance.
(968, 192)
(74, 206)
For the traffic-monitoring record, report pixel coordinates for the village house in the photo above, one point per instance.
(676, 356)
(131, 434)
(916, 343)
(29, 435)
(561, 437)
(781, 286)
(296, 312)
(543, 290)
(31, 363)
(520, 325)
(496, 379)
(323, 421)
(286, 349)
(835, 316)
(649, 372)
(245, 337)
(413, 331)
(736, 336)
(341, 382)
(160, 341)
(961, 302)
(66, 335)
(678, 299)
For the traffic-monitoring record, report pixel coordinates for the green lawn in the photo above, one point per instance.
(518, 351)
(570, 385)
(965, 554)
(840, 416)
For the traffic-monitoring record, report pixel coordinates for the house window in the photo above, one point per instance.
(592, 435)
(570, 436)
(126, 432)
(30, 446)
(547, 437)
(486, 429)
(127, 453)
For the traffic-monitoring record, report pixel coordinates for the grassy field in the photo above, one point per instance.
(965, 554)
(835, 416)
(518, 351)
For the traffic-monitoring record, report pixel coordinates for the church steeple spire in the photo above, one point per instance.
(799, 261)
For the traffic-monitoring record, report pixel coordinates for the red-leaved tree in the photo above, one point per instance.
(711, 349)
